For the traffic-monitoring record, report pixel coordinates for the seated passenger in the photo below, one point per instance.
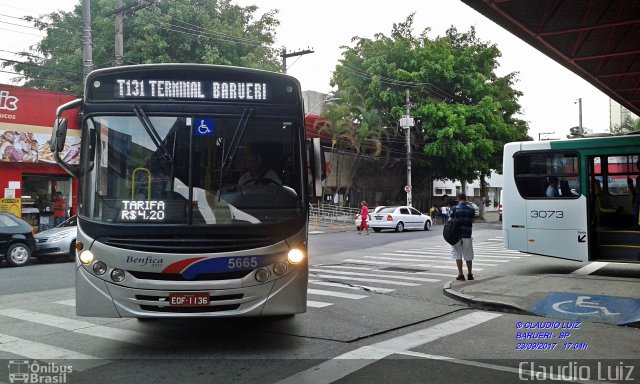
(552, 188)
(565, 190)
(257, 173)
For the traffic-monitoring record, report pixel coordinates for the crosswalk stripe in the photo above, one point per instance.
(70, 302)
(375, 275)
(358, 287)
(35, 350)
(431, 260)
(317, 304)
(84, 327)
(381, 281)
(401, 264)
(427, 254)
(322, 292)
(415, 260)
(373, 269)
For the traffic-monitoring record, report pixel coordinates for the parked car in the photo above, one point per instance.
(17, 243)
(58, 241)
(399, 218)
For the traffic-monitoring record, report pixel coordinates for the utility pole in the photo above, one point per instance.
(580, 117)
(87, 54)
(407, 122)
(119, 12)
(284, 56)
(119, 59)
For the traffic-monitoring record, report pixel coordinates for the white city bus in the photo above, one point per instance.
(591, 215)
(164, 227)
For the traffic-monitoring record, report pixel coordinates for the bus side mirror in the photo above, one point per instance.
(59, 135)
(316, 166)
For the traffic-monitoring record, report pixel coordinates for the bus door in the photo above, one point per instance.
(558, 227)
(555, 215)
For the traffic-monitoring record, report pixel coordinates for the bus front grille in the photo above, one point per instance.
(185, 245)
(179, 277)
(217, 308)
(217, 304)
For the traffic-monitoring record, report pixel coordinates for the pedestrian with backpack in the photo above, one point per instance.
(463, 214)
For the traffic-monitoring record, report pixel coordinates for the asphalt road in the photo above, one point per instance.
(375, 316)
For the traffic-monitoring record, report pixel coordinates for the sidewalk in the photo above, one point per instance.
(587, 298)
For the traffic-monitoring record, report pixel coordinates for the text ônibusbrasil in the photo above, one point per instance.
(219, 90)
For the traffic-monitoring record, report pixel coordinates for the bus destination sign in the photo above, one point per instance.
(180, 89)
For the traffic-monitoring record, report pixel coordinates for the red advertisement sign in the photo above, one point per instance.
(26, 122)
(27, 106)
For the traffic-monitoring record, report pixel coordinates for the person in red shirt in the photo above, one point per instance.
(364, 214)
(59, 209)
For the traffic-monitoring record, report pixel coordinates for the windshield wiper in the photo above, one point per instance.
(151, 131)
(237, 136)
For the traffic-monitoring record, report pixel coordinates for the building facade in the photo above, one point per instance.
(29, 175)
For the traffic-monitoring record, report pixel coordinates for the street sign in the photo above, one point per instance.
(600, 308)
(407, 188)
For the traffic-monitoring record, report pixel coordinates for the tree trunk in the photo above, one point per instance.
(483, 193)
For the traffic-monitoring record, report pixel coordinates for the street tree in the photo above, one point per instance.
(466, 112)
(201, 31)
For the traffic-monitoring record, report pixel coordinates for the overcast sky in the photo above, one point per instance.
(550, 90)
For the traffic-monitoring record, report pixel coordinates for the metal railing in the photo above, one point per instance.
(331, 215)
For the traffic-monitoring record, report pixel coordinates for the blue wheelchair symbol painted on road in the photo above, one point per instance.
(607, 309)
(204, 126)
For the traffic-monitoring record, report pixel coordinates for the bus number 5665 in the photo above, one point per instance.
(547, 214)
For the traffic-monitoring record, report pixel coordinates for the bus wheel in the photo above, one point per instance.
(18, 255)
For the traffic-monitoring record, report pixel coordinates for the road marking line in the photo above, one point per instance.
(70, 302)
(419, 261)
(400, 264)
(322, 292)
(350, 362)
(444, 257)
(373, 269)
(317, 304)
(590, 268)
(381, 281)
(39, 351)
(533, 375)
(356, 287)
(375, 275)
(429, 259)
(84, 327)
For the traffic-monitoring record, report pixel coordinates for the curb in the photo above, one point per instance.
(490, 305)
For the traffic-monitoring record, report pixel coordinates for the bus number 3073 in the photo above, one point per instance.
(547, 214)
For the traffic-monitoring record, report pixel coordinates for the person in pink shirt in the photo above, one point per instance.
(364, 214)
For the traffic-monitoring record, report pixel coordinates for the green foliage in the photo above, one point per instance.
(178, 31)
(628, 124)
(466, 112)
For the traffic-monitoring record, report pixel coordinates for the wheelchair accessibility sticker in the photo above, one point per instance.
(204, 126)
(607, 309)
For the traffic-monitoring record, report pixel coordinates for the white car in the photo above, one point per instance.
(358, 219)
(399, 218)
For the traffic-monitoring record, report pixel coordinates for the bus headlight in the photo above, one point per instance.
(86, 257)
(295, 256)
(280, 268)
(262, 275)
(99, 268)
(117, 275)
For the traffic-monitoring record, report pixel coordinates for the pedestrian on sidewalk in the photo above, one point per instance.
(463, 213)
(364, 217)
(444, 212)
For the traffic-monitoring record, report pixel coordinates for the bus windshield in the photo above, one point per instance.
(198, 170)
